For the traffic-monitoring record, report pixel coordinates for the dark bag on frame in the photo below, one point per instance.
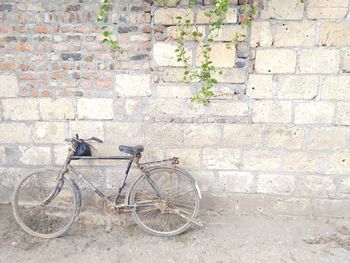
(83, 149)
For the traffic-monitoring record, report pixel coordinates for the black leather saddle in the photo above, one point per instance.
(131, 150)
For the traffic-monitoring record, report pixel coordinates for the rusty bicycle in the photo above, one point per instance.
(163, 201)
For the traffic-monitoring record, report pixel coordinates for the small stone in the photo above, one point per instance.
(71, 56)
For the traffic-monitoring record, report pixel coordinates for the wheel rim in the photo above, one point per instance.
(168, 214)
(45, 219)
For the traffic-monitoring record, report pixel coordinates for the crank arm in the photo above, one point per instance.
(192, 220)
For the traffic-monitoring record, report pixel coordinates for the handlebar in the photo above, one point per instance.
(96, 139)
(78, 140)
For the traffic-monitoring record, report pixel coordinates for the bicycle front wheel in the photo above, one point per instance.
(44, 206)
(166, 201)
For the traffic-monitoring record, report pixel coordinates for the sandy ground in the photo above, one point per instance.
(222, 239)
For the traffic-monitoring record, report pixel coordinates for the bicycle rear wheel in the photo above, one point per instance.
(167, 201)
(44, 206)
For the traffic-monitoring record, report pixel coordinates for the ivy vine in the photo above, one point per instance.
(207, 72)
(106, 32)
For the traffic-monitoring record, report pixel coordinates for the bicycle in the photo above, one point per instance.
(164, 200)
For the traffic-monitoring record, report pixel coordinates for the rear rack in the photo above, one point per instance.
(173, 161)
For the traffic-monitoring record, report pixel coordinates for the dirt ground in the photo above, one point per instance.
(222, 239)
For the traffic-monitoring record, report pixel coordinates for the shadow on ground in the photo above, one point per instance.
(223, 239)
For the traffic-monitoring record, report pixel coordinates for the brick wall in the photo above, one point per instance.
(274, 140)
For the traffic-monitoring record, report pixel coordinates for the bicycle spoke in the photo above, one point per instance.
(36, 217)
(177, 193)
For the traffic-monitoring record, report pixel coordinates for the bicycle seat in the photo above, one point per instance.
(131, 150)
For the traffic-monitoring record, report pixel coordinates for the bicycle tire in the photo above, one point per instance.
(174, 185)
(40, 219)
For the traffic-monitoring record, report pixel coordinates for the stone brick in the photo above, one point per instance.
(259, 86)
(48, 132)
(334, 34)
(234, 182)
(95, 108)
(301, 162)
(174, 91)
(276, 184)
(331, 208)
(2, 154)
(344, 184)
(20, 109)
(275, 61)
(346, 62)
(343, 114)
(231, 17)
(336, 88)
(261, 160)
(287, 10)
(60, 153)
(124, 133)
(71, 56)
(205, 179)
(9, 179)
(242, 135)
(207, 134)
(35, 155)
(229, 108)
(319, 60)
(163, 134)
(222, 158)
(165, 107)
(220, 55)
(258, 204)
(314, 112)
(326, 138)
(189, 157)
(295, 34)
(35, 7)
(173, 33)
(338, 163)
(133, 85)
(325, 9)
(21, 134)
(156, 152)
(297, 87)
(167, 16)
(113, 178)
(283, 137)
(174, 75)
(164, 54)
(228, 32)
(232, 75)
(211, 2)
(9, 86)
(135, 107)
(86, 129)
(261, 35)
(316, 186)
(56, 109)
(272, 111)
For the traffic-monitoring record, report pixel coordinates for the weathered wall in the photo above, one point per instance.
(274, 140)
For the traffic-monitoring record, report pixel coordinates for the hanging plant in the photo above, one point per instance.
(107, 34)
(207, 72)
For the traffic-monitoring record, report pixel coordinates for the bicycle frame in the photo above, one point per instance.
(142, 167)
(91, 185)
